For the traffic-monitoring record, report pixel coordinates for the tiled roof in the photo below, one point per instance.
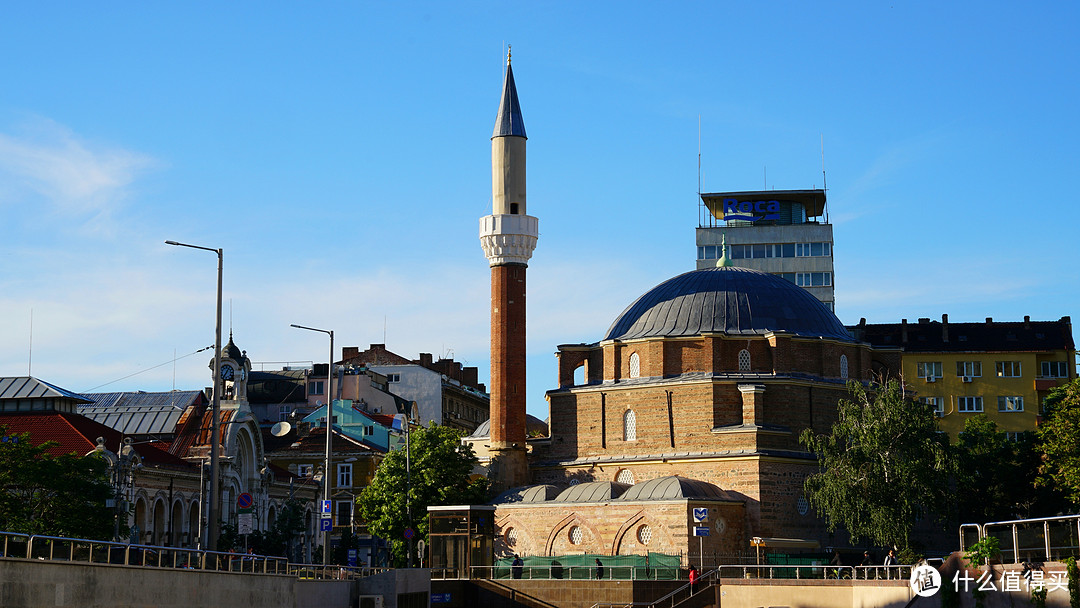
(990, 336)
(315, 443)
(78, 434)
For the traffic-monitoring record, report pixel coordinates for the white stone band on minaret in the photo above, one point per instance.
(508, 238)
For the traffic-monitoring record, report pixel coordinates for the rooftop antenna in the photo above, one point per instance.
(384, 329)
(701, 210)
(824, 185)
(30, 356)
(765, 176)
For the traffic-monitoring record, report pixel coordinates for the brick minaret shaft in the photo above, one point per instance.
(508, 237)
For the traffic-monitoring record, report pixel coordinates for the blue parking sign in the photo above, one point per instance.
(326, 524)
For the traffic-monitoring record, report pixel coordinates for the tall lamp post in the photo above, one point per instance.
(213, 521)
(329, 433)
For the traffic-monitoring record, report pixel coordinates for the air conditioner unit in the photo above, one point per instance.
(967, 378)
(931, 379)
(371, 601)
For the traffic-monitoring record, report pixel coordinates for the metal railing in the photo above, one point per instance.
(56, 548)
(768, 571)
(331, 572)
(1036, 539)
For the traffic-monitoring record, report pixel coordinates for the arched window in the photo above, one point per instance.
(744, 360)
(625, 476)
(843, 367)
(629, 426)
(635, 365)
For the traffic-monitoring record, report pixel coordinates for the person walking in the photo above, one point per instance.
(693, 577)
(599, 569)
(866, 561)
(517, 567)
(890, 563)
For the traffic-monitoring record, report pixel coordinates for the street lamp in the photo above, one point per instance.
(329, 432)
(214, 525)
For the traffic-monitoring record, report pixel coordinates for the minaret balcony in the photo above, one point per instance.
(508, 238)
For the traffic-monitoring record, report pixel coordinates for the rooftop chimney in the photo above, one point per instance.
(1027, 321)
(944, 328)
(903, 331)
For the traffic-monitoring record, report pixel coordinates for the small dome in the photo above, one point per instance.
(594, 491)
(527, 494)
(673, 488)
(727, 300)
(533, 427)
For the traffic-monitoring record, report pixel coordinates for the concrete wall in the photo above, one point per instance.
(34, 584)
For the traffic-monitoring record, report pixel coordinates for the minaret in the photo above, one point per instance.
(508, 237)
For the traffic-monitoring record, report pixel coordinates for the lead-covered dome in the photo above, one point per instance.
(726, 300)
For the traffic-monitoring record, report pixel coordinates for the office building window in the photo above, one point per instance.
(928, 369)
(1055, 369)
(1010, 404)
(744, 360)
(344, 475)
(315, 387)
(969, 404)
(813, 279)
(970, 369)
(937, 403)
(1008, 369)
(811, 249)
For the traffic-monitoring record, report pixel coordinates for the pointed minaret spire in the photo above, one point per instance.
(509, 121)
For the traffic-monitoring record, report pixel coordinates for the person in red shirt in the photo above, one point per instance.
(693, 578)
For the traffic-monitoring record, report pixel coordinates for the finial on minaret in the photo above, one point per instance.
(723, 262)
(508, 54)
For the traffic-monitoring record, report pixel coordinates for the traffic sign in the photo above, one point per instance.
(701, 514)
(245, 523)
(326, 524)
(244, 501)
(409, 533)
(701, 530)
(326, 506)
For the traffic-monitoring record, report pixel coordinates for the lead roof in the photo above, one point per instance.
(726, 300)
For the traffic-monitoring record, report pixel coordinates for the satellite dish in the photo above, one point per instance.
(280, 429)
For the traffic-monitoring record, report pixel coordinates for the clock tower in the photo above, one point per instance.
(235, 372)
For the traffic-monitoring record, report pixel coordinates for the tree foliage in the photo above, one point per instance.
(884, 465)
(441, 474)
(996, 477)
(53, 495)
(1059, 441)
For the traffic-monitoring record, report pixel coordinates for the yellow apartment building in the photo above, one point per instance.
(1002, 369)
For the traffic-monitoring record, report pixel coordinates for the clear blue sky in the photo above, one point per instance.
(339, 153)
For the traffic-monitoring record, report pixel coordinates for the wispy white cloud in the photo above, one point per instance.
(70, 175)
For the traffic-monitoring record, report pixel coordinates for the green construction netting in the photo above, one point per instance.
(656, 566)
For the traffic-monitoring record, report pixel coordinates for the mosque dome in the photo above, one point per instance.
(593, 491)
(674, 488)
(726, 300)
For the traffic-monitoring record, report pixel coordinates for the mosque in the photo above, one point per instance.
(677, 431)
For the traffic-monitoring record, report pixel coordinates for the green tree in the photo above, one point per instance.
(441, 470)
(995, 476)
(53, 495)
(1059, 441)
(884, 465)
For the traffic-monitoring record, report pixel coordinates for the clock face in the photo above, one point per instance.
(226, 372)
